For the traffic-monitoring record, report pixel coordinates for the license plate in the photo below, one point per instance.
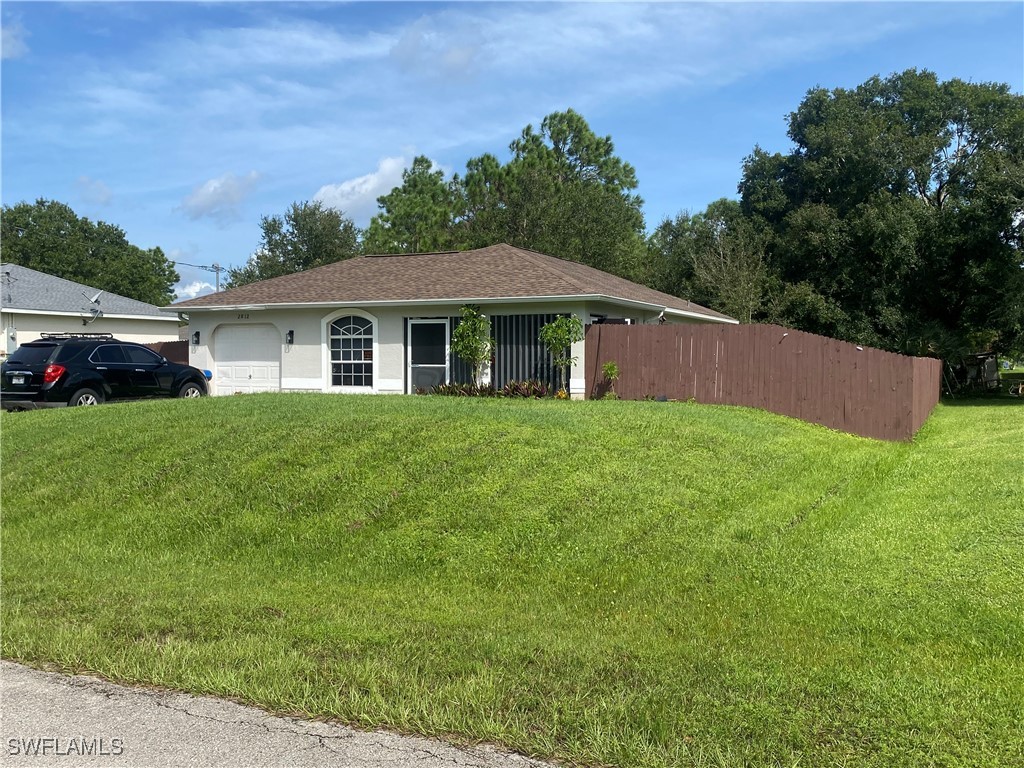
(17, 379)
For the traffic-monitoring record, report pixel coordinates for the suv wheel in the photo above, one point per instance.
(85, 397)
(190, 390)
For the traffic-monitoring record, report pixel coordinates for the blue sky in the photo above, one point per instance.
(184, 123)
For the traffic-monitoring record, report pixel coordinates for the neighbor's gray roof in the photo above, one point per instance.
(495, 272)
(24, 288)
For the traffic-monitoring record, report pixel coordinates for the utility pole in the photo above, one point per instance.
(215, 268)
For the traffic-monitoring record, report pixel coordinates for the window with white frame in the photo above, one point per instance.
(351, 340)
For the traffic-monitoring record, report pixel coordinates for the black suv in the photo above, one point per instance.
(87, 369)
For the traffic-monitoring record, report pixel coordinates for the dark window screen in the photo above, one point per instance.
(428, 343)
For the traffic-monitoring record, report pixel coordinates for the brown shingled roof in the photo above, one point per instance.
(495, 272)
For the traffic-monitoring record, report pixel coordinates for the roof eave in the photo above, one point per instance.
(86, 314)
(700, 316)
(258, 306)
(253, 306)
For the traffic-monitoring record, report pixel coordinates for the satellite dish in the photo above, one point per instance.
(96, 299)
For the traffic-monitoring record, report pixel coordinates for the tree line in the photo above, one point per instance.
(562, 192)
(50, 237)
(896, 219)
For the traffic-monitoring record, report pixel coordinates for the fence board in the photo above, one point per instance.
(175, 351)
(855, 389)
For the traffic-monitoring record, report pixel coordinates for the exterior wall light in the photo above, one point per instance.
(289, 338)
(195, 339)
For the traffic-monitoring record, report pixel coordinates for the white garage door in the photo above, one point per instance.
(248, 359)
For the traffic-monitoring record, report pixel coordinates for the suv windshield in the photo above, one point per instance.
(31, 354)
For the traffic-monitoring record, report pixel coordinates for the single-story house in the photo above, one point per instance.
(384, 323)
(33, 303)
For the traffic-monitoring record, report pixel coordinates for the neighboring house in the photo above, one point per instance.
(32, 303)
(384, 323)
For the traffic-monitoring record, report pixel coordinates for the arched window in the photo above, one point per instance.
(351, 340)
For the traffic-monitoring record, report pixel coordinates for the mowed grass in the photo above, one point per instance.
(629, 583)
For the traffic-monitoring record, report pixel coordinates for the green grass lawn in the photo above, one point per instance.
(631, 583)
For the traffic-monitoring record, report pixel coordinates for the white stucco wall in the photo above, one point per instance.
(305, 364)
(28, 327)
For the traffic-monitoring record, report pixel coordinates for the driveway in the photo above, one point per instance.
(48, 719)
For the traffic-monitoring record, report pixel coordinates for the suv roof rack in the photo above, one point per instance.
(76, 335)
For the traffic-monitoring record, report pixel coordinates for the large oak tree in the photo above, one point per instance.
(897, 217)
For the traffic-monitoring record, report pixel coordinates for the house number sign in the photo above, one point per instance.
(243, 315)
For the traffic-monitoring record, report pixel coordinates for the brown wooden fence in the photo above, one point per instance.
(821, 380)
(175, 351)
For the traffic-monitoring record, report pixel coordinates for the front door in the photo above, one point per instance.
(427, 354)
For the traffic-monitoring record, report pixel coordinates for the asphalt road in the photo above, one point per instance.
(48, 719)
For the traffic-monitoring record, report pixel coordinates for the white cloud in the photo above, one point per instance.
(136, 93)
(295, 89)
(93, 191)
(337, 92)
(586, 53)
(289, 44)
(192, 290)
(427, 46)
(357, 197)
(12, 41)
(219, 198)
